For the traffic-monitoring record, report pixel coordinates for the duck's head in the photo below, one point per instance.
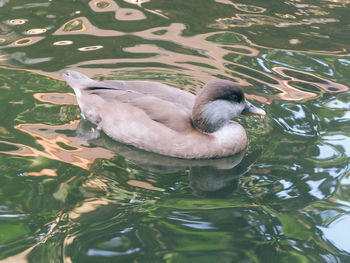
(217, 103)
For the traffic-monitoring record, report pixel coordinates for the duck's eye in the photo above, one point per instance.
(234, 97)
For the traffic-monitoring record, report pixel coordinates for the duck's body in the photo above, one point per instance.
(161, 119)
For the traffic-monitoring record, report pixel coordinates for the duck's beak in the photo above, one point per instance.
(250, 109)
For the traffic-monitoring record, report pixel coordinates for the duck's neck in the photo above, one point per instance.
(212, 116)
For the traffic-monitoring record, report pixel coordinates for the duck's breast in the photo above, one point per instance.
(230, 139)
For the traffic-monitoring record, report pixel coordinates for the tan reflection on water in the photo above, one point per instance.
(247, 20)
(123, 14)
(243, 7)
(323, 83)
(49, 139)
(88, 206)
(56, 98)
(20, 257)
(36, 31)
(63, 43)
(17, 21)
(144, 185)
(210, 60)
(25, 42)
(87, 29)
(46, 172)
(213, 56)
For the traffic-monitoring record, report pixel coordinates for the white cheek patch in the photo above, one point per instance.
(220, 111)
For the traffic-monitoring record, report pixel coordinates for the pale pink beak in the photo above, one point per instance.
(250, 109)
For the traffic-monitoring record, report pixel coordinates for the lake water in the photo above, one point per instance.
(285, 199)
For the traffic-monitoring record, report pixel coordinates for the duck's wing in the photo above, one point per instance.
(171, 109)
(155, 89)
(163, 104)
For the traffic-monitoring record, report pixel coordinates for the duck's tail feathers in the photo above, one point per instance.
(77, 80)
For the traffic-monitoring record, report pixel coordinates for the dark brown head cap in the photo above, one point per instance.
(221, 90)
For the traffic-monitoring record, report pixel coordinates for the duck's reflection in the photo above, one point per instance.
(208, 181)
(212, 177)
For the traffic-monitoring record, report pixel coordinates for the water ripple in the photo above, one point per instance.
(285, 198)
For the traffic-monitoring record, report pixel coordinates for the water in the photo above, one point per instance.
(285, 199)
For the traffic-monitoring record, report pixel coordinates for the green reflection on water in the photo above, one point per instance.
(65, 199)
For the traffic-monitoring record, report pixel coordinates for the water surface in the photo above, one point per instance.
(64, 198)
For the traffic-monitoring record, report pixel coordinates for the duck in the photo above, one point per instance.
(158, 118)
